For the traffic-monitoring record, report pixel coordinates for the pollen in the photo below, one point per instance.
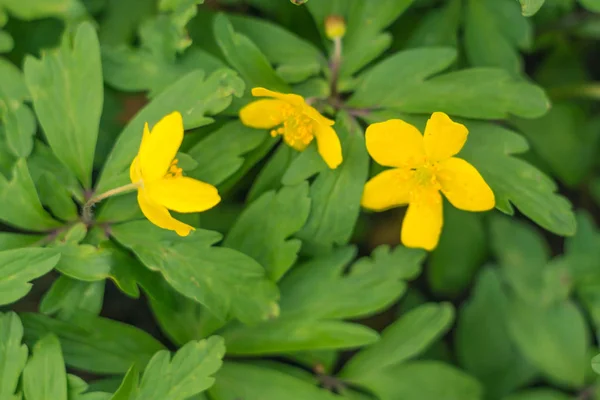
(174, 171)
(297, 130)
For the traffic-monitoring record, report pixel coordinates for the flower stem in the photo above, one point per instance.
(86, 214)
(336, 61)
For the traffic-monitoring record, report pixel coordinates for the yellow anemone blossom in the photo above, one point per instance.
(161, 186)
(300, 123)
(423, 166)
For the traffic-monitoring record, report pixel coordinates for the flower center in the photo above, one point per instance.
(424, 182)
(174, 171)
(297, 129)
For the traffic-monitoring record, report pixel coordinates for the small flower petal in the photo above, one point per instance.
(443, 137)
(422, 224)
(329, 145)
(291, 98)
(313, 114)
(263, 114)
(395, 143)
(463, 186)
(159, 148)
(390, 188)
(134, 170)
(183, 194)
(160, 216)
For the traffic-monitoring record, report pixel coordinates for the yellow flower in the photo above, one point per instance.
(335, 27)
(423, 165)
(300, 122)
(161, 187)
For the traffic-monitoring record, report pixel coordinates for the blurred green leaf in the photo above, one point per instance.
(44, 376)
(224, 280)
(402, 340)
(592, 5)
(484, 347)
(460, 251)
(94, 344)
(263, 229)
(69, 113)
(6, 42)
(67, 297)
(335, 194)
(424, 380)
(13, 355)
(187, 374)
(530, 7)
(253, 382)
(485, 93)
(270, 176)
(9, 240)
(195, 97)
(19, 266)
(438, 27)
(538, 394)
(499, 22)
(19, 202)
(554, 339)
(35, 9)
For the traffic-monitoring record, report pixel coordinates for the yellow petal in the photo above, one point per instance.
(313, 114)
(264, 113)
(443, 137)
(388, 189)
(134, 170)
(160, 216)
(464, 186)
(159, 148)
(329, 145)
(291, 98)
(183, 194)
(394, 143)
(423, 221)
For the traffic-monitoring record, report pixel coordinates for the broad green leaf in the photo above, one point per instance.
(13, 355)
(461, 250)
(438, 27)
(10, 240)
(129, 384)
(94, 344)
(120, 20)
(270, 176)
(404, 339)
(592, 5)
(56, 197)
(243, 55)
(187, 374)
(36, 9)
(499, 22)
(484, 347)
(565, 140)
(19, 202)
(69, 113)
(263, 229)
(224, 280)
(485, 93)
(554, 339)
(196, 98)
(254, 382)
(17, 121)
(296, 59)
(6, 42)
(19, 266)
(424, 380)
(69, 296)
(221, 153)
(530, 7)
(44, 376)
(84, 262)
(335, 194)
(538, 394)
(304, 165)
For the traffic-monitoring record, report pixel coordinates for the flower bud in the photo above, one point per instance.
(335, 27)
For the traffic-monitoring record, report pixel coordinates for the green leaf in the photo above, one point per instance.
(438, 27)
(460, 252)
(565, 139)
(129, 385)
(36, 9)
(56, 197)
(402, 340)
(67, 297)
(6, 42)
(335, 194)
(187, 374)
(263, 229)
(270, 176)
(592, 5)
(538, 394)
(499, 22)
(44, 376)
(304, 165)
(530, 7)
(554, 339)
(485, 93)
(94, 344)
(13, 355)
(424, 380)
(484, 347)
(70, 112)
(19, 202)
(220, 154)
(224, 280)
(18, 267)
(9, 240)
(243, 55)
(193, 96)
(253, 382)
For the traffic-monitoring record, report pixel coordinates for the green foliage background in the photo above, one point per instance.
(288, 290)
